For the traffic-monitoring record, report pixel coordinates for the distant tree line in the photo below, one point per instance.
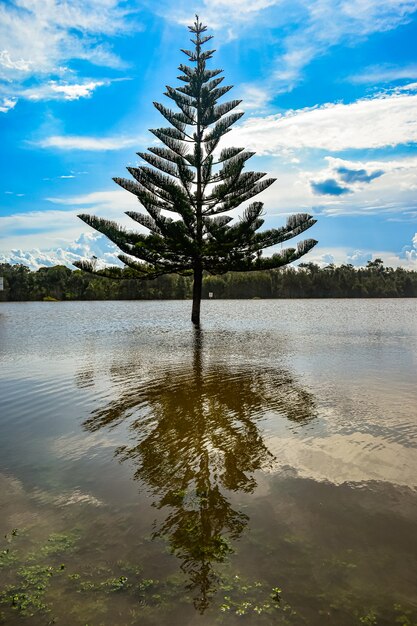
(307, 281)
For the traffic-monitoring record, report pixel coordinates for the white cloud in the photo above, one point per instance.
(7, 63)
(222, 15)
(54, 90)
(384, 73)
(40, 38)
(408, 87)
(394, 191)
(13, 193)
(323, 255)
(115, 199)
(87, 245)
(368, 123)
(75, 142)
(253, 96)
(54, 228)
(288, 67)
(410, 252)
(6, 104)
(392, 194)
(73, 92)
(377, 15)
(244, 6)
(359, 257)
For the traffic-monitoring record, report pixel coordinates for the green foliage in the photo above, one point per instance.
(344, 281)
(59, 543)
(7, 558)
(31, 574)
(369, 619)
(37, 582)
(27, 596)
(7, 555)
(36, 578)
(404, 616)
(242, 597)
(41, 589)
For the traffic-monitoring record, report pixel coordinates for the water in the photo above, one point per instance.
(262, 469)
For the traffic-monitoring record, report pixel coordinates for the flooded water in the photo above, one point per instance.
(260, 470)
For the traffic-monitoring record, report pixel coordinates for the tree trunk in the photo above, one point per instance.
(197, 288)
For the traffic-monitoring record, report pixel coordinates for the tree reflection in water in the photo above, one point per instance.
(196, 436)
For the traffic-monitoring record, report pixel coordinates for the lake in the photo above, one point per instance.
(261, 470)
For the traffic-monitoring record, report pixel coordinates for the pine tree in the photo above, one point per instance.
(188, 177)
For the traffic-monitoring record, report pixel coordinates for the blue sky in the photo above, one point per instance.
(330, 93)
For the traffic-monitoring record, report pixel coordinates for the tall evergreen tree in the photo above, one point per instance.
(190, 178)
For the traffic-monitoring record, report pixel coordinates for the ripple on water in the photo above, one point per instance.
(288, 427)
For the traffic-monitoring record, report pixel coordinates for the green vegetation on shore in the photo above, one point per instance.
(307, 281)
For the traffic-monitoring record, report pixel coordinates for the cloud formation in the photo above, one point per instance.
(83, 142)
(41, 38)
(7, 104)
(386, 187)
(407, 257)
(343, 176)
(384, 73)
(379, 122)
(53, 228)
(92, 244)
(359, 258)
(393, 194)
(410, 252)
(87, 245)
(55, 90)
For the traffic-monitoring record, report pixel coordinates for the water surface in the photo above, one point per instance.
(261, 469)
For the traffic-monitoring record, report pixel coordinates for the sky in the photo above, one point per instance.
(329, 90)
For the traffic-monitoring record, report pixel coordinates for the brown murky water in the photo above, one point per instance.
(262, 469)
